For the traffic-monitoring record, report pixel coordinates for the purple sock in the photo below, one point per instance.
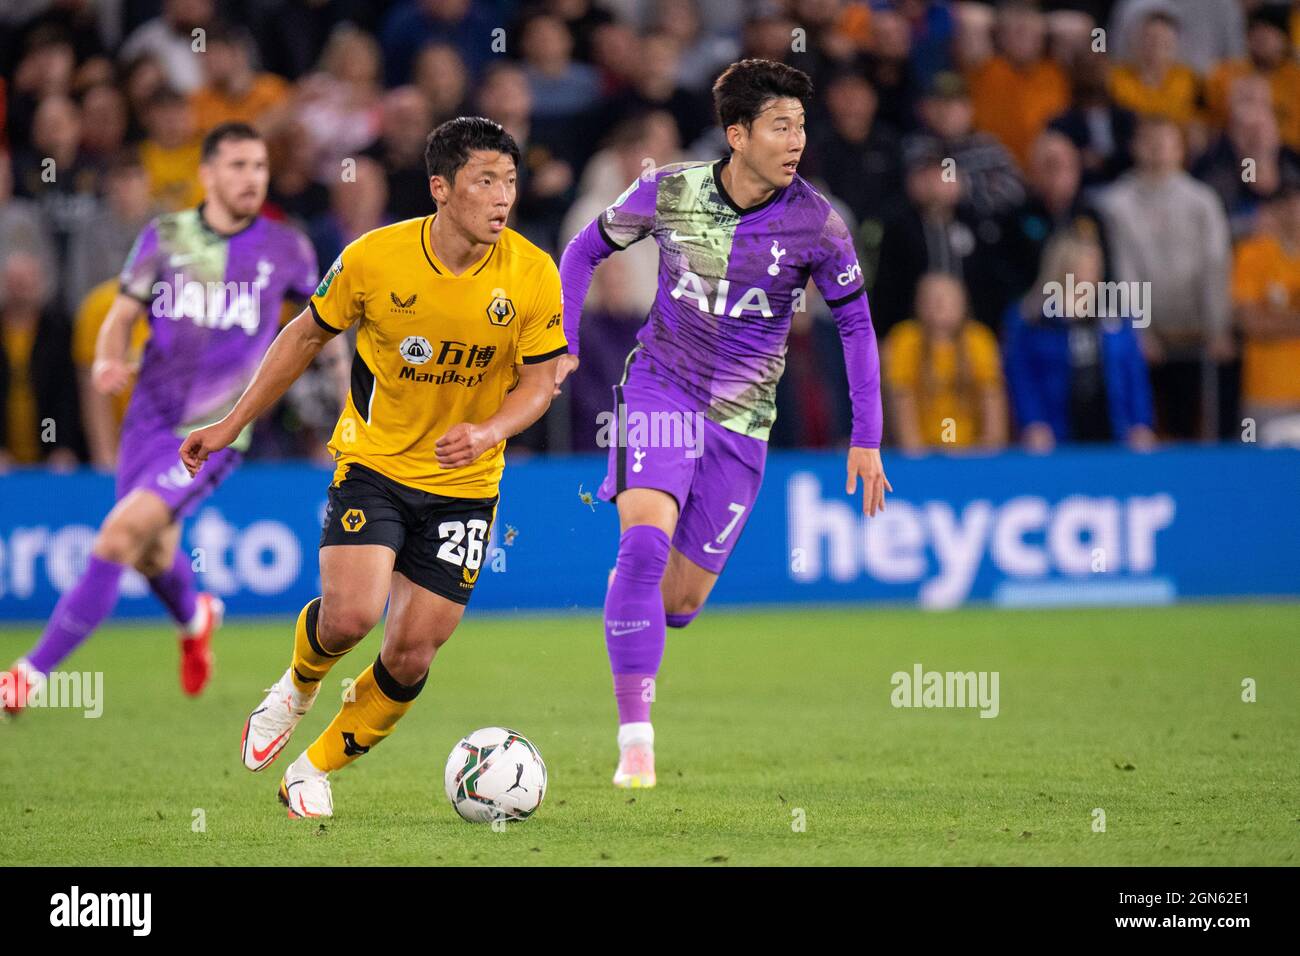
(634, 619)
(81, 609)
(681, 620)
(176, 589)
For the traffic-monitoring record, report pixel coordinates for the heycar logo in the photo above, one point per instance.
(932, 544)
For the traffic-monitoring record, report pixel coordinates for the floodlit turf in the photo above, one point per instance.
(766, 720)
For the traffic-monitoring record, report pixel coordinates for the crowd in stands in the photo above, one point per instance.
(1078, 220)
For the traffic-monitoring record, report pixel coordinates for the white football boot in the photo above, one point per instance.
(268, 728)
(305, 790)
(636, 756)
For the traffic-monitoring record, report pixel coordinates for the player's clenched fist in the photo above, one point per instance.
(201, 443)
(463, 444)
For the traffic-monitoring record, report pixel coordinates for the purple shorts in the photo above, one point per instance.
(656, 441)
(151, 460)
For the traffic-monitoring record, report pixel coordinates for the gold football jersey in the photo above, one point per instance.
(434, 349)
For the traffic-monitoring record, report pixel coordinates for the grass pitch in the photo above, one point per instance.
(777, 744)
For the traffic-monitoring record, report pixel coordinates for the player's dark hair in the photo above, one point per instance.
(449, 146)
(746, 87)
(225, 133)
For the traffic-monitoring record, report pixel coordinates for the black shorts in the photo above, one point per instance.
(440, 541)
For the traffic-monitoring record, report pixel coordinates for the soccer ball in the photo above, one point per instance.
(495, 774)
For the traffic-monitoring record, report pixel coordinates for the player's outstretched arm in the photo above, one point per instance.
(286, 359)
(528, 401)
(110, 371)
(862, 365)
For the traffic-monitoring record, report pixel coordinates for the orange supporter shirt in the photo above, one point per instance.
(1015, 104)
(1173, 97)
(1264, 271)
(1284, 81)
(211, 108)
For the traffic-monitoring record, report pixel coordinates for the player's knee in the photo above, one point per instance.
(339, 628)
(117, 542)
(151, 565)
(642, 554)
(409, 664)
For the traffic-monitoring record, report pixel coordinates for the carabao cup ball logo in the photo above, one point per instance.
(416, 349)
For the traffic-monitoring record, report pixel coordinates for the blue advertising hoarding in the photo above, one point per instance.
(1075, 527)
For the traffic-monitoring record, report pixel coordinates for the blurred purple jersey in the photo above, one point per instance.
(214, 306)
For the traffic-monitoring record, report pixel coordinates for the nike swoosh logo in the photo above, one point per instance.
(712, 550)
(260, 755)
(629, 630)
(183, 260)
(675, 237)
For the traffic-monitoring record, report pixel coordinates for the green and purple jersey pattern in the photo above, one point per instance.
(214, 306)
(730, 280)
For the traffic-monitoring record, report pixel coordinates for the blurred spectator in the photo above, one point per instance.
(1269, 54)
(1054, 203)
(340, 104)
(409, 25)
(44, 71)
(943, 375)
(171, 38)
(654, 87)
(142, 80)
(73, 21)
(931, 232)
(1074, 375)
(291, 34)
(990, 181)
(823, 48)
(1019, 90)
(549, 155)
(1100, 130)
(853, 153)
(102, 414)
(1070, 25)
(973, 37)
(1169, 230)
(103, 123)
(408, 118)
(932, 27)
(614, 54)
(356, 207)
(702, 54)
(768, 33)
(1266, 300)
(101, 243)
(38, 403)
(582, 18)
(293, 191)
(56, 174)
(560, 86)
(22, 227)
(440, 75)
(889, 68)
(232, 89)
(1247, 162)
(1154, 80)
(651, 138)
(1212, 30)
(170, 152)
